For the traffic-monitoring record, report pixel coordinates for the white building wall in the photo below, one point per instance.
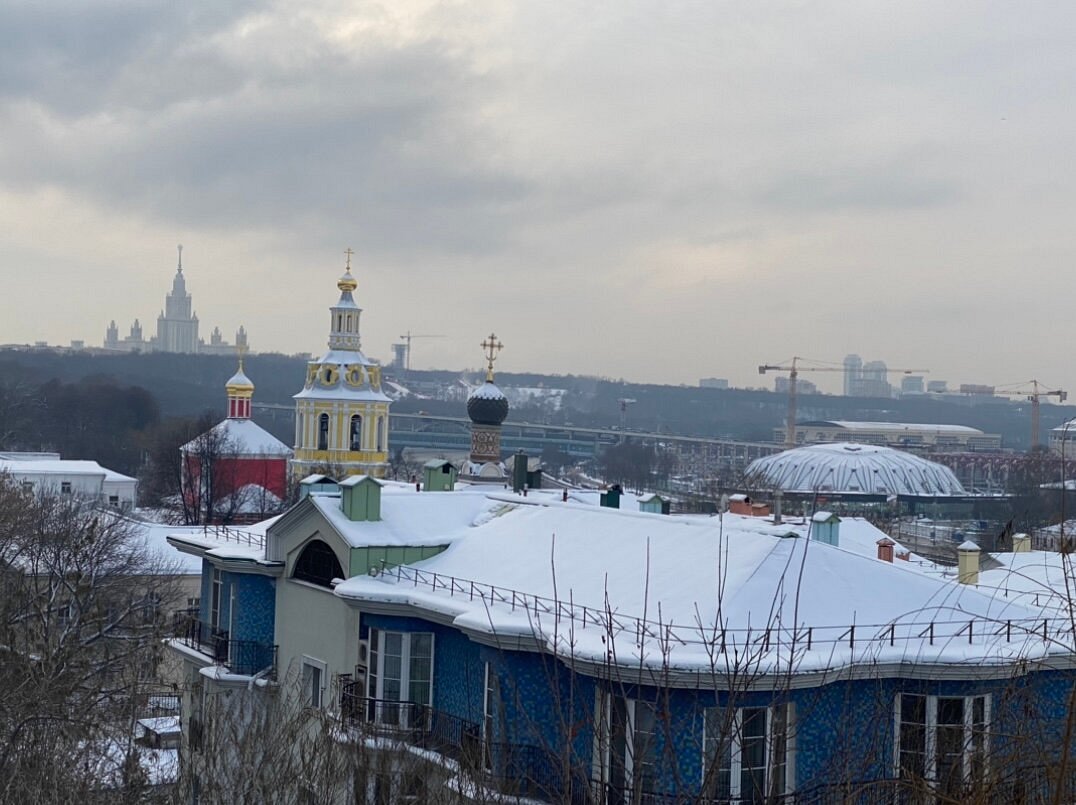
(311, 621)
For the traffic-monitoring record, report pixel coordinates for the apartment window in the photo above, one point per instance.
(489, 708)
(193, 602)
(747, 753)
(323, 432)
(400, 676)
(313, 682)
(215, 592)
(151, 607)
(943, 740)
(27, 486)
(114, 500)
(627, 745)
(65, 487)
(356, 432)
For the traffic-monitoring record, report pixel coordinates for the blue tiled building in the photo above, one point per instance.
(569, 653)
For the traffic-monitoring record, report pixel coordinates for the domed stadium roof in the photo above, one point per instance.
(853, 469)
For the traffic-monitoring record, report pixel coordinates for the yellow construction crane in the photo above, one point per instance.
(1033, 396)
(793, 373)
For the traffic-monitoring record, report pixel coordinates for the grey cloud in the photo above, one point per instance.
(68, 55)
(895, 185)
(379, 142)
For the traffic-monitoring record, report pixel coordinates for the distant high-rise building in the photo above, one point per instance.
(853, 372)
(177, 327)
(781, 384)
(713, 383)
(911, 384)
(869, 379)
(875, 381)
(937, 386)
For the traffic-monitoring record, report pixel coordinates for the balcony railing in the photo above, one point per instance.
(242, 657)
(510, 769)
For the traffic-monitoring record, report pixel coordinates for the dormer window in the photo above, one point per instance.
(317, 564)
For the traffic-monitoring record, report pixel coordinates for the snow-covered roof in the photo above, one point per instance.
(644, 576)
(161, 725)
(894, 427)
(242, 437)
(412, 518)
(848, 468)
(355, 480)
(1034, 578)
(240, 543)
(60, 466)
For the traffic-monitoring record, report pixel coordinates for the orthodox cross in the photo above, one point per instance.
(348, 252)
(241, 350)
(492, 346)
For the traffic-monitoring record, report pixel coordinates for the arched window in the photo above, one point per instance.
(323, 432)
(300, 432)
(356, 432)
(318, 564)
(349, 322)
(380, 433)
(339, 321)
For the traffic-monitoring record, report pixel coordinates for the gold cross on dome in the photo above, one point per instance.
(241, 350)
(348, 252)
(492, 346)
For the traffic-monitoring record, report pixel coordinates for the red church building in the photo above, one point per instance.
(236, 471)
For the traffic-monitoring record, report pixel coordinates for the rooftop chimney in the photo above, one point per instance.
(968, 563)
(777, 507)
(611, 499)
(1021, 543)
(885, 549)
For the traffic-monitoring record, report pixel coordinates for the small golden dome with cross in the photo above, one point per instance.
(347, 282)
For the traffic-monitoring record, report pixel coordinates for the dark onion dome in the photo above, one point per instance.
(487, 405)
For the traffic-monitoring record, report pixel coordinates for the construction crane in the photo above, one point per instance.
(1033, 396)
(793, 373)
(624, 402)
(407, 339)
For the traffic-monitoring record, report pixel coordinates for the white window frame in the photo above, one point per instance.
(603, 738)
(375, 675)
(709, 751)
(489, 706)
(314, 697)
(930, 765)
(216, 596)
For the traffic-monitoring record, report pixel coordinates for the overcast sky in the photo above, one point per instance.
(658, 191)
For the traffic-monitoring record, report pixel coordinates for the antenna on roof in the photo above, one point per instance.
(179, 248)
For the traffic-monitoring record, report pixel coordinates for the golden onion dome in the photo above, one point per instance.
(347, 282)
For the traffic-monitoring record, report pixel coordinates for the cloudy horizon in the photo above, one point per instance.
(659, 192)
